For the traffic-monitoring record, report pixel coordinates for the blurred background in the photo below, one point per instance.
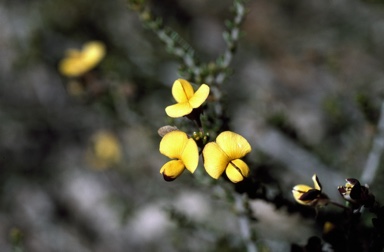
(306, 90)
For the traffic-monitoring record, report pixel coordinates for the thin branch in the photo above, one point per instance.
(177, 46)
(373, 161)
(231, 38)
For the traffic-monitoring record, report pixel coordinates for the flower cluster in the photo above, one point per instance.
(222, 155)
(343, 234)
(355, 194)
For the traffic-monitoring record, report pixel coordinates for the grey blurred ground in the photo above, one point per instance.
(307, 74)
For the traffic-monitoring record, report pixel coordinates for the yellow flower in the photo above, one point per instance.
(105, 150)
(78, 62)
(309, 196)
(225, 154)
(184, 152)
(186, 98)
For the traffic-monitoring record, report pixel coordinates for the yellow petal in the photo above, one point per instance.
(172, 169)
(182, 90)
(215, 160)
(172, 144)
(71, 67)
(298, 191)
(237, 170)
(316, 182)
(190, 155)
(178, 110)
(200, 96)
(92, 53)
(234, 145)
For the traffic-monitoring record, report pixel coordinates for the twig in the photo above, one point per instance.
(231, 38)
(178, 47)
(373, 161)
(175, 44)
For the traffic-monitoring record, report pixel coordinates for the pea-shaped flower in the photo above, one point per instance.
(187, 99)
(224, 155)
(356, 193)
(309, 196)
(184, 152)
(79, 62)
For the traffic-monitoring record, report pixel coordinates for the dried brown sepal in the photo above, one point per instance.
(166, 129)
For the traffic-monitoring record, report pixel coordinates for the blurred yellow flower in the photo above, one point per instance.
(309, 196)
(79, 62)
(328, 227)
(225, 154)
(184, 152)
(105, 150)
(186, 98)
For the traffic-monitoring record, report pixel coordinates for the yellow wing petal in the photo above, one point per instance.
(234, 145)
(200, 96)
(190, 155)
(237, 170)
(233, 174)
(182, 90)
(172, 144)
(215, 160)
(178, 110)
(172, 169)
